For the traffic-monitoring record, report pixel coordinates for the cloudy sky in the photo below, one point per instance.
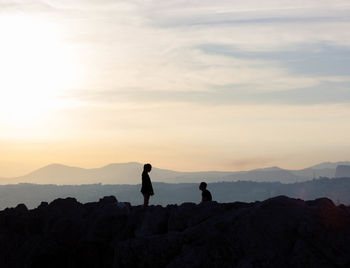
(185, 85)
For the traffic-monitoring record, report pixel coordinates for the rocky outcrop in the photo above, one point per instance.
(342, 171)
(278, 232)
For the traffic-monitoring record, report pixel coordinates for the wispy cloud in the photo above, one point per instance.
(267, 76)
(219, 50)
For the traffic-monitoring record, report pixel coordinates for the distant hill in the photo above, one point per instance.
(330, 165)
(342, 171)
(273, 174)
(129, 173)
(121, 173)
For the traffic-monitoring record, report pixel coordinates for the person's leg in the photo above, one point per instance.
(145, 200)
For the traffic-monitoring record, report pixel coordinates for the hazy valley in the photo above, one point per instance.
(123, 182)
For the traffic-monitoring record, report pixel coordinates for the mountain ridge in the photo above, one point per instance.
(129, 173)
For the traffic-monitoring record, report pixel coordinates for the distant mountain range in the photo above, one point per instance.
(130, 173)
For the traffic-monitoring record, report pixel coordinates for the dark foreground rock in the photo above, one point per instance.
(279, 232)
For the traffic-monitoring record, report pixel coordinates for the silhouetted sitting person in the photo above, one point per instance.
(146, 189)
(206, 195)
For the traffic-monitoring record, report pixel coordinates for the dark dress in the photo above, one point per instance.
(206, 196)
(146, 184)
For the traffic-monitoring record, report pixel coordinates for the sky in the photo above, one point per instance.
(184, 85)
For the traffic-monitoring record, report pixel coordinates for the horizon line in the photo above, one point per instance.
(174, 170)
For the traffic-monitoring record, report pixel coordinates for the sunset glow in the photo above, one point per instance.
(36, 66)
(201, 85)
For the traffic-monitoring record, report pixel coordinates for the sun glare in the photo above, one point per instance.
(36, 66)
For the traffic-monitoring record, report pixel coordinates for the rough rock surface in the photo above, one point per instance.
(278, 232)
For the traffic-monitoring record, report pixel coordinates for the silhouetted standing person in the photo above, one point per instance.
(206, 195)
(146, 189)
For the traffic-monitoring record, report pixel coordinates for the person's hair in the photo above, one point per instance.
(147, 167)
(203, 184)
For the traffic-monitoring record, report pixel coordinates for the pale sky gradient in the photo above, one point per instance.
(184, 85)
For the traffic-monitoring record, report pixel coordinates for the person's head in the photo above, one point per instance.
(203, 186)
(147, 167)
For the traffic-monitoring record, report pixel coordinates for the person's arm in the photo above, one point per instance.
(152, 192)
(149, 185)
(143, 179)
